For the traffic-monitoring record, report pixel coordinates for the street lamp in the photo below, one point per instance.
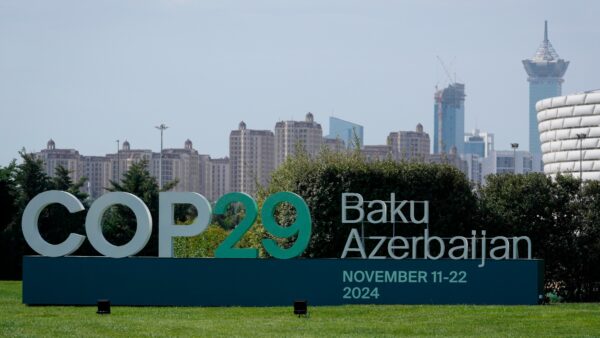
(514, 147)
(580, 137)
(162, 128)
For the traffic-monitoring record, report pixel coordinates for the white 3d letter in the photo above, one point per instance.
(167, 229)
(31, 232)
(93, 224)
(357, 207)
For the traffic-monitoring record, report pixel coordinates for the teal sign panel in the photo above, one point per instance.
(140, 281)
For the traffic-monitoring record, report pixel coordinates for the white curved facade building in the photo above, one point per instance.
(560, 119)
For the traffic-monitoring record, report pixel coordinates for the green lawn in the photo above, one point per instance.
(17, 319)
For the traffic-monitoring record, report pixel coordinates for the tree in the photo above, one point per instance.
(30, 178)
(23, 182)
(8, 196)
(545, 210)
(57, 222)
(232, 217)
(119, 221)
(62, 181)
(203, 245)
(588, 242)
(322, 181)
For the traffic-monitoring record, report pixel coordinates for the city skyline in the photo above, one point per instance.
(255, 154)
(86, 80)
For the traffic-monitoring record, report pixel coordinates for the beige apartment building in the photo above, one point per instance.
(98, 171)
(67, 158)
(335, 145)
(289, 135)
(121, 161)
(252, 158)
(374, 153)
(219, 178)
(181, 164)
(412, 146)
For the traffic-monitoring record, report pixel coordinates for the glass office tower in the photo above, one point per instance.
(545, 71)
(479, 143)
(345, 131)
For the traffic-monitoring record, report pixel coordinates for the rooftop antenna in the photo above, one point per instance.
(545, 30)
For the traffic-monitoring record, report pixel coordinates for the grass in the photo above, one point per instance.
(568, 320)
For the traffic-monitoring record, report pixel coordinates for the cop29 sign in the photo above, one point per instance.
(372, 269)
(301, 228)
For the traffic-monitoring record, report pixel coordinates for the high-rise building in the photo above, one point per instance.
(193, 172)
(449, 119)
(450, 158)
(346, 131)
(292, 134)
(97, 170)
(67, 158)
(182, 164)
(507, 161)
(252, 158)
(410, 145)
(373, 153)
(335, 145)
(545, 72)
(474, 167)
(204, 174)
(479, 143)
(219, 177)
(126, 157)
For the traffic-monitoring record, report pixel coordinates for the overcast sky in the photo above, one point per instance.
(87, 73)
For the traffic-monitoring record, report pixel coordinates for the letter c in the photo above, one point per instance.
(31, 231)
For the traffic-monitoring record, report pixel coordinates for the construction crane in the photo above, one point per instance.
(445, 69)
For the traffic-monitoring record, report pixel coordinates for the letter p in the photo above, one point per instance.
(168, 229)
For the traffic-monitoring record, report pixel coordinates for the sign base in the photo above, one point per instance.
(153, 281)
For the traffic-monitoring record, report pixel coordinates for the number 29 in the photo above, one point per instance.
(302, 226)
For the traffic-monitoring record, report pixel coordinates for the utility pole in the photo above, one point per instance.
(514, 146)
(162, 128)
(118, 163)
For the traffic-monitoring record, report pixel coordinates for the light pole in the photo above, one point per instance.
(162, 128)
(118, 163)
(514, 147)
(580, 137)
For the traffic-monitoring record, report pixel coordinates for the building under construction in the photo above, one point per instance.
(449, 119)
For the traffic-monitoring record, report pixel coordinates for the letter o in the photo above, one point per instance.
(93, 224)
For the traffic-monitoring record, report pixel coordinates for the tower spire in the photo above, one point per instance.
(545, 71)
